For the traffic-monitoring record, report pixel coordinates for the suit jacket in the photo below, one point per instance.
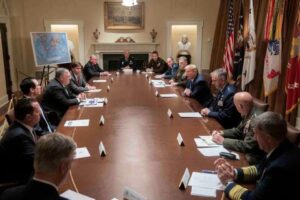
(77, 86)
(241, 139)
(171, 72)
(16, 154)
(180, 78)
(58, 98)
(277, 176)
(91, 70)
(130, 62)
(223, 108)
(200, 90)
(34, 190)
(159, 66)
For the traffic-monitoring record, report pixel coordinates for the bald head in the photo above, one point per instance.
(93, 59)
(243, 102)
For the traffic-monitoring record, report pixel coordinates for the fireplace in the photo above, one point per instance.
(111, 62)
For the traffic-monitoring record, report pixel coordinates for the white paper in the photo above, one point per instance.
(168, 95)
(206, 180)
(82, 153)
(203, 192)
(200, 143)
(213, 151)
(99, 81)
(208, 139)
(77, 123)
(127, 71)
(158, 85)
(190, 114)
(72, 195)
(157, 82)
(93, 91)
(97, 105)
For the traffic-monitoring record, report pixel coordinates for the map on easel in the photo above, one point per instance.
(50, 48)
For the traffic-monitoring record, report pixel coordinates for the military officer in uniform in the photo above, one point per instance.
(241, 138)
(127, 61)
(222, 108)
(157, 64)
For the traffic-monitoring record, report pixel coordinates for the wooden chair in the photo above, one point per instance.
(293, 134)
(259, 106)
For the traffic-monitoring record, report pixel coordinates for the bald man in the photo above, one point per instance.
(241, 138)
(92, 69)
(127, 61)
(197, 87)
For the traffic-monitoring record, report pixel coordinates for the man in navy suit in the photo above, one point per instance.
(18, 143)
(222, 108)
(196, 86)
(77, 82)
(53, 158)
(276, 176)
(31, 89)
(57, 96)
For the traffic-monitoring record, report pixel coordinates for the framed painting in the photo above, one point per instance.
(118, 17)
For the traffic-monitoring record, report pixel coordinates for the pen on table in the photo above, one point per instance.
(209, 171)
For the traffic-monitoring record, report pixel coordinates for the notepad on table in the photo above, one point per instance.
(93, 91)
(77, 123)
(213, 151)
(205, 180)
(203, 192)
(82, 153)
(200, 143)
(190, 114)
(99, 81)
(72, 195)
(168, 95)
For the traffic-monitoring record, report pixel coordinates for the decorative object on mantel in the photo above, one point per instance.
(96, 34)
(153, 34)
(125, 40)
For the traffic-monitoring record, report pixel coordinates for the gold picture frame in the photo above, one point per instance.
(118, 17)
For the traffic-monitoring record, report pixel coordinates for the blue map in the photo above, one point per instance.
(50, 48)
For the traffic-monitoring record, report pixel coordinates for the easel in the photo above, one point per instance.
(45, 74)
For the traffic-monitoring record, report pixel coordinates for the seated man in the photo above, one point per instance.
(127, 61)
(18, 143)
(54, 155)
(222, 108)
(180, 78)
(92, 69)
(31, 89)
(172, 69)
(77, 82)
(277, 175)
(156, 63)
(196, 86)
(241, 138)
(57, 97)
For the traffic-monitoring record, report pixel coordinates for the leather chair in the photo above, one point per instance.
(259, 106)
(293, 134)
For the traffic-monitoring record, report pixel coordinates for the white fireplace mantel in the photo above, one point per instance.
(118, 48)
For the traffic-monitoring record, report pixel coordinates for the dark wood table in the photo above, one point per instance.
(140, 141)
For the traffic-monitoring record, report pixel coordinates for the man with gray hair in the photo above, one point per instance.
(222, 108)
(54, 155)
(92, 69)
(180, 78)
(276, 176)
(57, 97)
(196, 86)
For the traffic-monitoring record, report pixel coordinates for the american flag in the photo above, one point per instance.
(229, 44)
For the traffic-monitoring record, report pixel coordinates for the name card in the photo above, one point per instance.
(105, 101)
(108, 88)
(146, 75)
(117, 73)
(102, 149)
(184, 180)
(130, 194)
(150, 81)
(180, 139)
(170, 114)
(111, 79)
(101, 122)
(156, 93)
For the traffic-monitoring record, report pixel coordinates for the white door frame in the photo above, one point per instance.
(49, 22)
(199, 24)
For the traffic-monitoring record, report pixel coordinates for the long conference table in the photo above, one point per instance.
(140, 140)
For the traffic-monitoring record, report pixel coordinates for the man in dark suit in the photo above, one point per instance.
(92, 69)
(18, 143)
(222, 108)
(157, 64)
(53, 158)
(277, 175)
(241, 138)
(197, 86)
(127, 61)
(57, 97)
(77, 82)
(31, 89)
(180, 78)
